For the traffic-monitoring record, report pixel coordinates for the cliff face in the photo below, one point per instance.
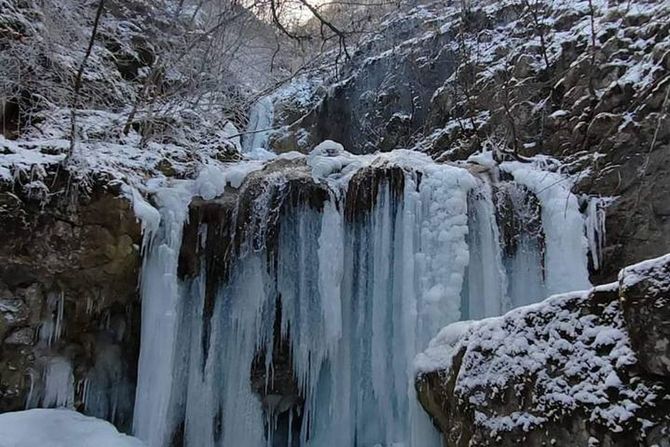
(586, 368)
(68, 301)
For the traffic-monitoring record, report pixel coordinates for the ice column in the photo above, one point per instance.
(261, 117)
(160, 314)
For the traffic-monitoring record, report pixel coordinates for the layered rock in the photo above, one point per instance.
(585, 368)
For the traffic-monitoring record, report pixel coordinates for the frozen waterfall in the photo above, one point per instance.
(287, 310)
(261, 117)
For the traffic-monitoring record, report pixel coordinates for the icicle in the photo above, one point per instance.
(160, 297)
(595, 229)
(443, 252)
(58, 384)
(51, 329)
(242, 415)
(107, 394)
(330, 258)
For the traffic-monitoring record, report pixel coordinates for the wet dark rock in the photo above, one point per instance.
(518, 212)
(364, 187)
(362, 112)
(22, 336)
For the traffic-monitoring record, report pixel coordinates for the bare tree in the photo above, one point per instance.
(213, 56)
(79, 76)
(197, 69)
(592, 68)
(505, 97)
(538, 10)
(339, 21)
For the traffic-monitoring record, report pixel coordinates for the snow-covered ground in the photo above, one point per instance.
(59, 428)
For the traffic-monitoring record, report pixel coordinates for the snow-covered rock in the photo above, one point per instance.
(566, 370)
(59, 428)
(645, 298)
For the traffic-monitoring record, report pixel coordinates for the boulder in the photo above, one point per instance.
(645, 299)
(583, 369)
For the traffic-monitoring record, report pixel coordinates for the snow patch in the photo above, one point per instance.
(59, 428)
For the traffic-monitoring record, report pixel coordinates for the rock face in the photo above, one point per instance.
(386, 92)
(585, 369)
(69, 329)
(645, 298)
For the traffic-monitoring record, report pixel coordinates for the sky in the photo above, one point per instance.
(301, 13)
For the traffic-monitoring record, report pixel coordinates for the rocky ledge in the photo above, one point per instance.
(69, 308)
(586, 368)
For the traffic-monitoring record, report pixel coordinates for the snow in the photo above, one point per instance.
(291, 155)
(148, 215)
(15, 158)
(559, 114)
(260, 154)
(484, 158)
(59, 428)
(328, 148)
(301, 90)
(232, 134)
(440, 351)
(328, 157)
